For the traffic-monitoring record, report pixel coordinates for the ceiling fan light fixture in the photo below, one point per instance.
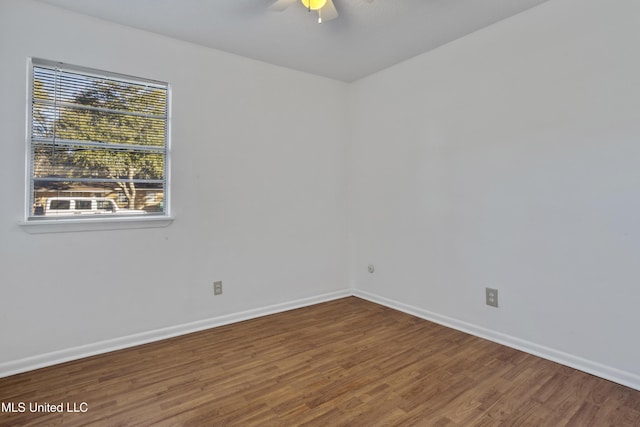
(314, 4)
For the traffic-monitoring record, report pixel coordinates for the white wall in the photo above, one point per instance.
(258, 193)
(511, 159)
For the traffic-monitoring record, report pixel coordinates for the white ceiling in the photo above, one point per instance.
(365, 38)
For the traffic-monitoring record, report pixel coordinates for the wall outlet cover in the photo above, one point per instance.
(217, 288)
(491, 297)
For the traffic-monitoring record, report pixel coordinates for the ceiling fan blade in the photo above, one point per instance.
(329, 11)
(280, 5)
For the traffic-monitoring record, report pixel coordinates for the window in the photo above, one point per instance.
(96, 134)
(60, 204)
(104, 205)
(83, 204)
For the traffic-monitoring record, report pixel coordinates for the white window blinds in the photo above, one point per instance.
(97, 138)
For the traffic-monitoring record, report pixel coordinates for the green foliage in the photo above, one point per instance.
(115, 126)
(101, 114)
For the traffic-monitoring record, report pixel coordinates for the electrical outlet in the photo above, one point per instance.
(492, 297)
(217, 288)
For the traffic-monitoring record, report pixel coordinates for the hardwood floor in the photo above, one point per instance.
(343, 363)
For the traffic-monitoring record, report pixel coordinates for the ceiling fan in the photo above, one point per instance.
(325, 8)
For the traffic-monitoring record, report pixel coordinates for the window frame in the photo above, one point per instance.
(35, 224)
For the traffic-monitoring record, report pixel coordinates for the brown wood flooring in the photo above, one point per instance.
(347, 362)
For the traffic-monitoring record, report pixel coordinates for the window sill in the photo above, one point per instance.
(98, 224)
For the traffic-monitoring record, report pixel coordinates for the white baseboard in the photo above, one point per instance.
(625, 378)
(66, 355)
